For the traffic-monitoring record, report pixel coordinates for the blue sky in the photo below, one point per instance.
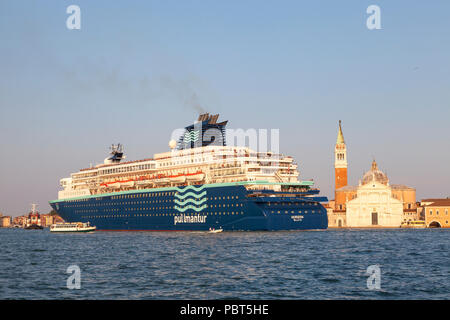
(138, 69)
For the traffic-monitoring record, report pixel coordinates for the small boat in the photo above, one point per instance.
(72, 227)
(417, 224)
(33, 221)
(34, 227)
(212, 230)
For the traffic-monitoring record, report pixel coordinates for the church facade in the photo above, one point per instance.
(374, 203)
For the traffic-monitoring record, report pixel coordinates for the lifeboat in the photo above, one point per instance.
(178, 179)
(161, 181)
(114, 185)
(144, 183)
(199, 176)
(127, 184)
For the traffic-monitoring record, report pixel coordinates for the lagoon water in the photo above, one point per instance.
(327, 264)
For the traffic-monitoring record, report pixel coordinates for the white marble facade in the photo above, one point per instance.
(374, 205)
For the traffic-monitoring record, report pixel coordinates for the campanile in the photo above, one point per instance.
(340, 161)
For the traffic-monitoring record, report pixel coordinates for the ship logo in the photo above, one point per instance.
(190, 198)
(191, 136)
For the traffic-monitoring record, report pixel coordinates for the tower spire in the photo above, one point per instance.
(340, 160)
(340, 137)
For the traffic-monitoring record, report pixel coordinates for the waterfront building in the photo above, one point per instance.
(20, 221)
(436, 212)
(47, 220)
(5, 221)
(374, 202)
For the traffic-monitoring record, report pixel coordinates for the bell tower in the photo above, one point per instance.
(340, 161)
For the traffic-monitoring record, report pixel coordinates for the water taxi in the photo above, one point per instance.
(72, 227)
(417, 224)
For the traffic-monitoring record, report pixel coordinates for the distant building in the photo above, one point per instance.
(20, 221)
(374, 202)
(436, 212)
(5, 221)
(47, 220)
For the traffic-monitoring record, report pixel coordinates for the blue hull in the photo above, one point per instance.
(194, 208)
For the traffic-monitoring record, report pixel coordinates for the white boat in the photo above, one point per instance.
(215, 230)
(72, 227)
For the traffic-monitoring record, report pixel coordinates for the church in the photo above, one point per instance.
(374, 203)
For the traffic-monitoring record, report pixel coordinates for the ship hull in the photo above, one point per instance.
(193, 208)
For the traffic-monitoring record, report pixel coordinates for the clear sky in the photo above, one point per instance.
(138, 69)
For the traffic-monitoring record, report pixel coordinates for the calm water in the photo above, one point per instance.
(328, 264)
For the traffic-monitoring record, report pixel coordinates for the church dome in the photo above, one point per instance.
(375, 174)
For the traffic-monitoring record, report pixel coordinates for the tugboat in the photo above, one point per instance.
(33, 221)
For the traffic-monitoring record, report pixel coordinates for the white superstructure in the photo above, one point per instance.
(201, 156)
(211, 164)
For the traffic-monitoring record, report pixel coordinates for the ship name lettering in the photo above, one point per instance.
(189, 219)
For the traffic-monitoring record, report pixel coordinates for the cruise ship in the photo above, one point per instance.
(200, 184)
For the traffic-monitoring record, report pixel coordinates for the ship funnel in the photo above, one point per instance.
(116, 154)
